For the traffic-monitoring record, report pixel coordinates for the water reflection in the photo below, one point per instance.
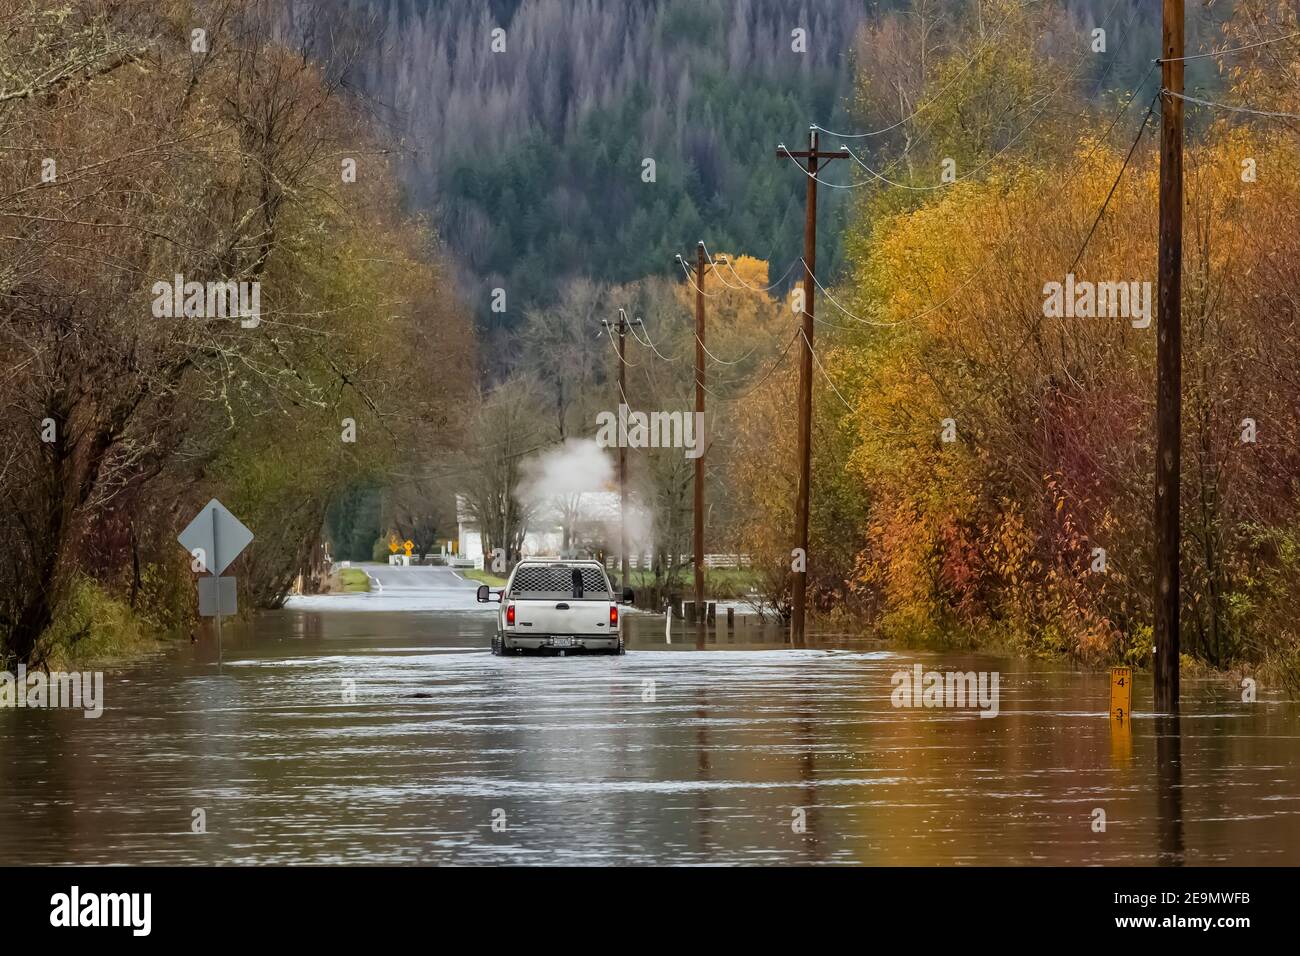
(1121, 741)
(740, 733)
(1169, 787)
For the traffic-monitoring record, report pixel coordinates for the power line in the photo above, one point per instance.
(1073, 75)
(911, 318)
(1239, 49)
(756, 385)
(1038, 320)
(1113, 186)
(1123, 111)
(1233, 109)
(880, 177)
(832, 301)
(646, 341)
(982, 166)
(997, 31)
(826, 375)
(834, 325)
(767, 288)
(614, 345)
(724, 361)
(726, 261)
(687, 273)
(654, 348)
(1110, 128)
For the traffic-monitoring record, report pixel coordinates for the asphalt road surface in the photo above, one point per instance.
(396, 588)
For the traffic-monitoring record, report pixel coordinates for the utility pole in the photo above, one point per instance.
(622, 456)
(1169, 343)
(812, 157)
(699, 411)
(702, 267)
(622, 447)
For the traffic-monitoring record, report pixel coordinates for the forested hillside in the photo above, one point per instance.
(531, 159)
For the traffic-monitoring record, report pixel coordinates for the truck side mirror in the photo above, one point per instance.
(484, 594)
(628, 596)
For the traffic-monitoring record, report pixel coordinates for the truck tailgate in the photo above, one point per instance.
(571, 616)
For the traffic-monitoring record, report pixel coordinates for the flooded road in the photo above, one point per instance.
(745, 751)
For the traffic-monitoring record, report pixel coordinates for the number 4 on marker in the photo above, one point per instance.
(1121, 692)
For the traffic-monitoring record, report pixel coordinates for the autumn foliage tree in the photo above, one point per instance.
(986, 464)
(137, 151)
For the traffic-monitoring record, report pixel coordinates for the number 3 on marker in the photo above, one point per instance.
(1121, 692)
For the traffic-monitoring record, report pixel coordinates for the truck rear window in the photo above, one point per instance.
(547, 581)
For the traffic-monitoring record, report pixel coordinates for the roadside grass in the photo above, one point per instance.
(91, 626)
(350, 581)
(482, 577)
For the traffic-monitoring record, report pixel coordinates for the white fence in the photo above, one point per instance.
(723, 561)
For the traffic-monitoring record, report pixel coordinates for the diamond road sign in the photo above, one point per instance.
(217, 536)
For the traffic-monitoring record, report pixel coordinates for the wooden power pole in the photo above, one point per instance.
(1169, 343)
(699, 408)
(812, 157)
(702, 266)
(622, 455)
(622, 450)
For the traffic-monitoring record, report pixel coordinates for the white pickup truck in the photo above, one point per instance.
(557, 605)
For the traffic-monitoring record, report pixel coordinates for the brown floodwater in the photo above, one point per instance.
(741, 750)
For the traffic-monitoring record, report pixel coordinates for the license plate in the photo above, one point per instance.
(561, 642)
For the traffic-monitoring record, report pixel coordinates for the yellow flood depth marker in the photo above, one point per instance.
(1121, 693)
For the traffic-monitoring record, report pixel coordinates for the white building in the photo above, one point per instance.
(594, 527)
(593, 517)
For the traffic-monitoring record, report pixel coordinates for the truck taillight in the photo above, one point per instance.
(613, 615)
(510, 614)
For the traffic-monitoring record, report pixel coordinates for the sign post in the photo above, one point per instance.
(215, 552)
(215, 538)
